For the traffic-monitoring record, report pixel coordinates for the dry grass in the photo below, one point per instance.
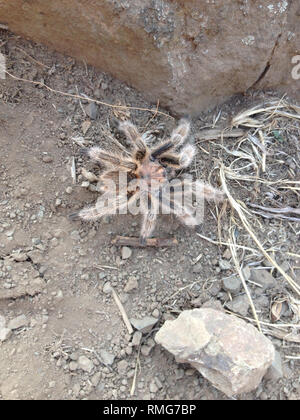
(256, 164)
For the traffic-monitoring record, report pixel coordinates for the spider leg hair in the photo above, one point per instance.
(187, 155)
(110, 159)
(135, 137)
(178, 136)
(150, 207)
(208, 192)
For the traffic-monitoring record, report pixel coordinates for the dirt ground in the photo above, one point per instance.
(59, 275)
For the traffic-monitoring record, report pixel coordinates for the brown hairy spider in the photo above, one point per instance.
(153, 185)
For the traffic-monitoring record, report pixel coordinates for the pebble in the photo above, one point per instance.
(239, 304)
(264, 278)
(85, 364)
(92, 110)
(224, 265)
(131, 284)
(122, 367)
(5, 333)
(95, 379)
(106, 357)
(145, 324)
(58, 202)
(232, 284)
(153, 387)
(47, 159)
(73, 366)
(136, 338)
(155, 313)
(275, 371)
(126, 252)
(107, 288)
(69, 190)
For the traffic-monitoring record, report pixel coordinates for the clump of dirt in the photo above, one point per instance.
(74, 343)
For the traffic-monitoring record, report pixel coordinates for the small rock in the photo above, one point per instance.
(198, 268)
(145, 324)
(275, 371)
(227, 254)
(73, 366)
(5, 333)
(107, 288)
(264, 278)
(106, 357)
(59, 295)
(74, 356)
(153, 387)
(92, 110)
(69, 190)
(85, 364)
(131, 284)
(224, 265)
(58, 202)
(47, 159)
(145, 350)
(126, 252)
(122, 367)
(246, 272)
(18, 322)
(155, 313)
(239, 304)
(85, 184)
(95, 379)
(136, 338)
(232, 284)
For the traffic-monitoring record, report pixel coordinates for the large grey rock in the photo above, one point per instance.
(190, 54)
(226, 350)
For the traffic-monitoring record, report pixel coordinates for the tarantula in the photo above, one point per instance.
(151, 172)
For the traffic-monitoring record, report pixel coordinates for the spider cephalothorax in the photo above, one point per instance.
(150, 180)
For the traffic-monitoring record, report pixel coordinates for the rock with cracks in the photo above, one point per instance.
(233, 355)
(189, 54)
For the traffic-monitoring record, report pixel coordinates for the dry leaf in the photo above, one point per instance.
(276, 311)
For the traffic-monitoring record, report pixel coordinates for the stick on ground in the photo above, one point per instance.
(135, 242)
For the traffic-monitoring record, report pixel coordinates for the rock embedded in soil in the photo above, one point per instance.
(122, 367)
(85, 364)
(126, 252)
(264, 278)
(106, 357)
(145, 324)
(136, 338)
(92, 110)
(5, 333)
(232, 284)
(239, 304)
(275, 371)
(233, 355)
(131, 284)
